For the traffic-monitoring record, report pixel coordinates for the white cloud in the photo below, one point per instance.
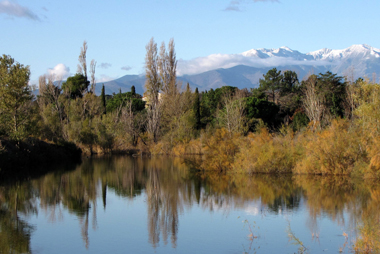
(216, 61)
(60, 71)
(12, 8)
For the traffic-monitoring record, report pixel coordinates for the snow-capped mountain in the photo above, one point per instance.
(280, 52)
(358, 60)
(244, 70)
(361, 52)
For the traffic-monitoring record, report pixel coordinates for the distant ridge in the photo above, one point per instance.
(248, 67)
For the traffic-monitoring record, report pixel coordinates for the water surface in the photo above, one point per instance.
(158, 205)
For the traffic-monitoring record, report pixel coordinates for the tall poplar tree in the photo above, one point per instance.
(153, 87)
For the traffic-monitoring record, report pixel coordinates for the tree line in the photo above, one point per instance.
(169, 118)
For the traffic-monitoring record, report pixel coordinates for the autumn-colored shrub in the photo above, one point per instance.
(192, 147)
(267, 153)
(335, 150)
(220, 150)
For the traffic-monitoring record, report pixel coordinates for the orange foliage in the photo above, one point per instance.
(220, 150)
(335, 150)
(264, 152)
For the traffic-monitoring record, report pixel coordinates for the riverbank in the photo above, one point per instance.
(33, 157)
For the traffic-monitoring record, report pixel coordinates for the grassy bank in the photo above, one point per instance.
(33, 156)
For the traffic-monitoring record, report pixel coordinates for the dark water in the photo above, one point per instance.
(135, 205)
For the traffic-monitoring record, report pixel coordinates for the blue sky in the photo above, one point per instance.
(48, 34)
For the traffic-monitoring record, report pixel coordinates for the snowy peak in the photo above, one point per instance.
(319, 54)
(361, 51)
(280, 52)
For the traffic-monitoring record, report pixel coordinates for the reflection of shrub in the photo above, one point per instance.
(369, 241)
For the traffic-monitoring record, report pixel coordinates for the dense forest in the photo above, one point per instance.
(324, 124)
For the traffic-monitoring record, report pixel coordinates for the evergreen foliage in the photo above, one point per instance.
(76, 86)
(197, 110)
(120, 100)
(103, 98)
(15, 98)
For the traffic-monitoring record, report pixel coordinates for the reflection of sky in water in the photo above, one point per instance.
(144, 213)
(122, 228)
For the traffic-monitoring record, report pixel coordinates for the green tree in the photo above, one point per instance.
(120, 100)
(76, 86)
(133, 91)
(289, 83)
(15, 96)
(197, 110)
(333, 88)
(271, 83)
(103, 99)
(261, 108)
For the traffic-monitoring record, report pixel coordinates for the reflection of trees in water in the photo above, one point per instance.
(163, 189)
(333, 196)
(171, 188)
(276, 193)
(15, 232)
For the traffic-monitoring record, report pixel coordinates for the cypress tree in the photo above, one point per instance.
(197, 110)
(133, 91)
(103, 98)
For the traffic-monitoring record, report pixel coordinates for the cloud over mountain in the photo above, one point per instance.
(260, 58)
(244, 70)
(60, 71)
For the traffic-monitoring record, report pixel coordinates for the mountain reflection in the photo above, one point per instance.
(171, 188)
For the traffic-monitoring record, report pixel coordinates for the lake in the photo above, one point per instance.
(159, 205)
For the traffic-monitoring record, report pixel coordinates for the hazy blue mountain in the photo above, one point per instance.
(355, 61)
(124, 83)
(248, 67)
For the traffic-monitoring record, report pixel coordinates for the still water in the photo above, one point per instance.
(158, 205)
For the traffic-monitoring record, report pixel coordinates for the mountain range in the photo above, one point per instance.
(245, 69)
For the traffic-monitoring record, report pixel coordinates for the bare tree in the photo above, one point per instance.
(153, 87)
(168, 67)
(233, 117)
(313, 102)
(92, 72)
(82, 66)
(131, 123)
(48, 101)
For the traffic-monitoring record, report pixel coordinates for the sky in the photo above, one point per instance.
(47, 35)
